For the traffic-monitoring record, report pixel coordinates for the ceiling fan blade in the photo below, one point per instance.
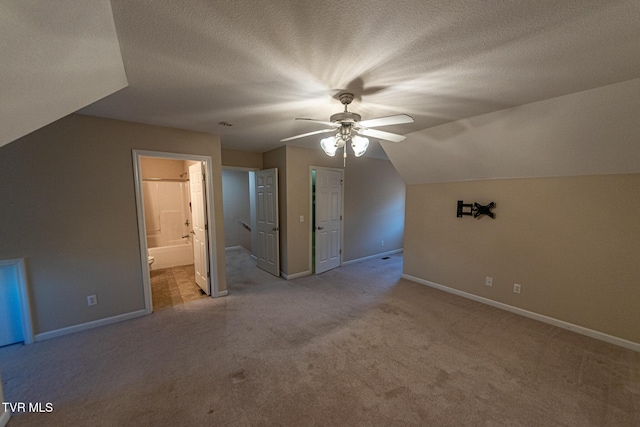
(386, 121)
(387, 136)
(332, 124)
(307, 134)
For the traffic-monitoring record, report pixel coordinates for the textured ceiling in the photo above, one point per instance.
(55, 57)
(260, 64)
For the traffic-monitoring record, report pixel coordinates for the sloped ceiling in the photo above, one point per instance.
(56, 57)
(593, 132)
(260, 64)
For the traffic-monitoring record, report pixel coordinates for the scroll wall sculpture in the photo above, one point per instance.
(475, 209)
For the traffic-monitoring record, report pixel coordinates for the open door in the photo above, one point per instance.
(328, 219)
(199, 218)
(268, 236)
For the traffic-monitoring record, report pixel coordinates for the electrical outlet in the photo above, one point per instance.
(488, 281)
(92, 300)
(516, 288)
(381, 242)
(301, 218)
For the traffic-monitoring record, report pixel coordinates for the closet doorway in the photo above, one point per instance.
(327, 201)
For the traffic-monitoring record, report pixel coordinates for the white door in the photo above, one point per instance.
(328, 219)
(10, 312)
(267, 221)
(199, 223)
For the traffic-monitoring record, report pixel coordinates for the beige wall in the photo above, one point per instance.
(242, 159)
(571, 242)
(373, 208)
(68, 207)
(163, 168)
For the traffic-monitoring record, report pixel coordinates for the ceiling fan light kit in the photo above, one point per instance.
(349, 127)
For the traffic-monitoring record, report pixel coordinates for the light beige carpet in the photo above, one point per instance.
(353, 346)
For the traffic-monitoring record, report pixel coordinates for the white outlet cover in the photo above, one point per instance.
(516, 288)
(488, 281)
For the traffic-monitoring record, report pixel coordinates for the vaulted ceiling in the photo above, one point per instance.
(259, 64)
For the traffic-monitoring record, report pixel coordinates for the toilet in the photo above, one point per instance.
(150, 259)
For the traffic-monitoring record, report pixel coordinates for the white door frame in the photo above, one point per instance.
(142, 232)
(20, 272)
(312, 267)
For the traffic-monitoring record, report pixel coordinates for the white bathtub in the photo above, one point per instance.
(171, 256)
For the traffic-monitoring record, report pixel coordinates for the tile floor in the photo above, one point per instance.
(173, 286)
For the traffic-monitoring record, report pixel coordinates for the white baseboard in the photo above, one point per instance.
(4, 418)
(89, 325)
(296, 275)
(540, 317)
(395, 251)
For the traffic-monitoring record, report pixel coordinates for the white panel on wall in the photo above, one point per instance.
(10, 307)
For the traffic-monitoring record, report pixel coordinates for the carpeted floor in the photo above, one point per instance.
(353, 346)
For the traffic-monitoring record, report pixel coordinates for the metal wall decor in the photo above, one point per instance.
(475, 209)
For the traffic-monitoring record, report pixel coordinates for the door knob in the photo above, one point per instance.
(274, 229)
(320, 228)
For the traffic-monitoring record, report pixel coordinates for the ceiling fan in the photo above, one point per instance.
(349, 127)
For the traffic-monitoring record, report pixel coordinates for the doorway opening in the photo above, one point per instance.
(176, 228)
(327, 200)
(250, 200)
(238, 201)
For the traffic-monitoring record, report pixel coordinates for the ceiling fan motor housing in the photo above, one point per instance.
(346, 98)
(345, 117)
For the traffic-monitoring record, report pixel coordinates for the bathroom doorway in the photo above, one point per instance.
(175, 225)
